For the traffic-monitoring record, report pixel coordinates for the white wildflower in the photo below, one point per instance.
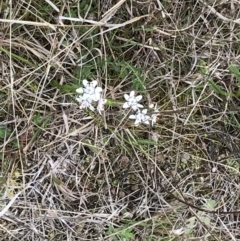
(85, 104)
(141, 116)
(178, 232)
(132, 101)
(155, 114)
(100, 106)
(90, 91)
(84, 97)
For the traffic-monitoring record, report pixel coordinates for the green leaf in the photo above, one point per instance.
(210, 204)
(219, 90)
(110, 231)
(111, 102)
(64, 88)
(85, 72)
(87, 143)
(127, 234)
(124, 232)
(203, 67)
(56, 180)
(4, 132)
(17, 57)
(234, 70)
(37, 119)
(190, 225)
(206, 220)
(138, 81)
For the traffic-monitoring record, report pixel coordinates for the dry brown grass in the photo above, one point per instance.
(70, 175)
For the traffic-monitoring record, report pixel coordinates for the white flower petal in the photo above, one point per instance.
(86, 105)
(147, 122)
(100, 106)
(154, 118)
(132, 117)
(87, 97)
(132, 93)
(89, 89)
(146, 117)
(102, 101)
(137, 122)
(151, 106)
(93, 83)
(144, 111)
(138, 98)
(139, 117)
(98, 90)
(96, 96)
(134, 107)
(99, 109)
(126, 105)
(178, 232)
(91, 107)
(126, 96)
(79, 90)
(137, 106)
(79, 99)
(85, 83)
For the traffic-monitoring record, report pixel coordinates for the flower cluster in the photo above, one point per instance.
(91, 93)
(141, 115)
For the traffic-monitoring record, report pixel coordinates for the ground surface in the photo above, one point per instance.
(72, 174)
